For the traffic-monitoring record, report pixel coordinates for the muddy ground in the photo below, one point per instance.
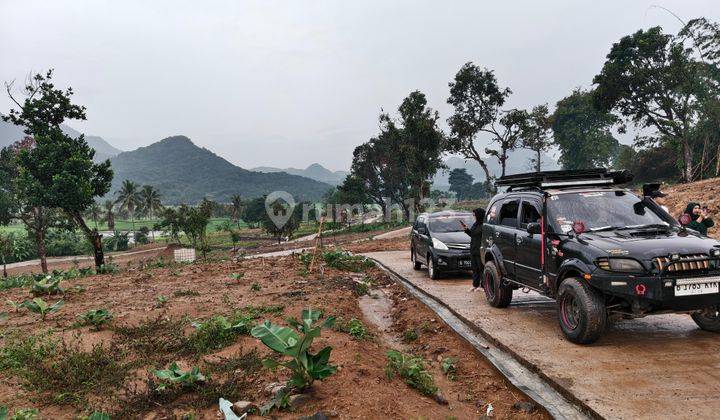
(75, 369)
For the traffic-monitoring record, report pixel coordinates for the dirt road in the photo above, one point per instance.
(656, 367)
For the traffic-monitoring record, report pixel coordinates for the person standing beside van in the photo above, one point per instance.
(475, 233)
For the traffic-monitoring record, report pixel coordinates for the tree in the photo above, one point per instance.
(150, 202)
(128, 197)
(59, 171)
(654, 81)
(193, 222)
(477, 100)
(461, 183)
(280, 207)
(236, 201)
(109, 215)
(507, 134)
(94, 212)
(423, 143)
(582, 132)
(7, 248)
(536, 136)
(399, 162)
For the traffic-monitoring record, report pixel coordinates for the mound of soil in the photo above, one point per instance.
(154, 307)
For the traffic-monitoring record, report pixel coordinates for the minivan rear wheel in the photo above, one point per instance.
(708, 319)
(416, 264)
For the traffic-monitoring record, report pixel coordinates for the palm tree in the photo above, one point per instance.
(94, 212)
(236, 207)
(110, 214)
(150, 201)
(129, 199)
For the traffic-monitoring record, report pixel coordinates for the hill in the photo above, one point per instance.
(185, 173)
(10, 133)
(314, 171)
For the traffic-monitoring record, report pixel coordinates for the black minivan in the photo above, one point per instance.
(439, 242)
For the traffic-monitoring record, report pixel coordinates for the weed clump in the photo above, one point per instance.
(60, 369)
(412, 370)
(345, 261)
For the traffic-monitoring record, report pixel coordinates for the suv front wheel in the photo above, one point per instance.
(708, 319)
(497, 293)
(581, 311)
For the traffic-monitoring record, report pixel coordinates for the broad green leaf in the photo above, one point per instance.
(277, 338)
(57, 305)
(270, 363)
(3, 413)
(96, 415)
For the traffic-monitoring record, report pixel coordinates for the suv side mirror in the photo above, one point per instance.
(533, 228)
(422, 230)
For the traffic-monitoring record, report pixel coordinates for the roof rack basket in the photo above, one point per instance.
(563, 179)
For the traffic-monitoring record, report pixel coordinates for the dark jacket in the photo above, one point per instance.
(475, 232)
(701, 226)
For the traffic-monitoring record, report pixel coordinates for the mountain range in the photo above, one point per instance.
(314, 171)
(186, 173)
(10, 133)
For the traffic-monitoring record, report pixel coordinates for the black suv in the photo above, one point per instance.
(599, 250)
(438, 241)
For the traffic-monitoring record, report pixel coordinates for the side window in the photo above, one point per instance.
(509, 213)
(529, 214)
(491, 214)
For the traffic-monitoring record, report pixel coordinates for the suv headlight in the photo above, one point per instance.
(622, 265)
(438, 244)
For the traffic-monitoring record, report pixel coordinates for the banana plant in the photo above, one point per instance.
(48, 285)
(295, 344)
(41, 307)
(175, 375)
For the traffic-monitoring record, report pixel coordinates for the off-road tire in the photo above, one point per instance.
(708, 319)
(581, 311)
(416, 264)
(498, 293)
(433, 271)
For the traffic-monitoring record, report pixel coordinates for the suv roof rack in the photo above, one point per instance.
(565, 178)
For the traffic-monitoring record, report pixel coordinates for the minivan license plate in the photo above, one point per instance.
(464, 263)
(689, 287)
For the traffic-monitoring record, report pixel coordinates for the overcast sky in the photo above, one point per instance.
(295, 82)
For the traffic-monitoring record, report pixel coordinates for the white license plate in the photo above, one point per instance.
(464, 263)
(689, 287)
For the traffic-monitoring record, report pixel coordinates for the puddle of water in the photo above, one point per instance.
(376, 308)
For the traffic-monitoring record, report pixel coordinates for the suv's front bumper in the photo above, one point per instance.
(452, 259)
(656, 293)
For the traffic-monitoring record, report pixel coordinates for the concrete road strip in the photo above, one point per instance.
(521, 377)
(661, 366)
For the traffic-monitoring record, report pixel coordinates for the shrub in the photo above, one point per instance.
(357, 329)
(410, 335)
(305, 366)
(96, 318)
(449, 368)
(412, 369)
(255, 287)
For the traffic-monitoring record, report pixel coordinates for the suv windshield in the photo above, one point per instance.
(600, 210)
(444, 224)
